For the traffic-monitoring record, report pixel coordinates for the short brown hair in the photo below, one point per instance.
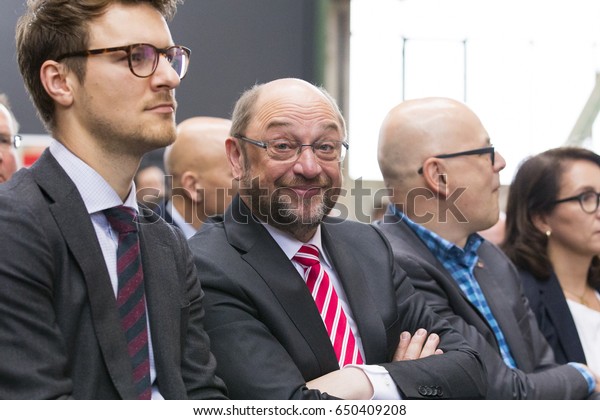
(50, 28)
(533, 192)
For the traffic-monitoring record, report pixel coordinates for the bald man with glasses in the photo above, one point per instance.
(100, 298)
(437, 159)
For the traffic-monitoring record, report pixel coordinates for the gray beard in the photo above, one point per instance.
(277, 210)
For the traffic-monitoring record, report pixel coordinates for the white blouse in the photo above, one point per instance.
(587, 322)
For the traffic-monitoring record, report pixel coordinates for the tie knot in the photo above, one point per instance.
(122, 219)
(307, 256)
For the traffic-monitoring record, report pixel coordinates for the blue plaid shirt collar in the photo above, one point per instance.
(460, 263)
(442, 249)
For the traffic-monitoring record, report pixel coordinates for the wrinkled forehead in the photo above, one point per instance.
(295, 108)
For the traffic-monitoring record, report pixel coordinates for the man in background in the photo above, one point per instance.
(202, 182)
(9, 127)
(437, 159)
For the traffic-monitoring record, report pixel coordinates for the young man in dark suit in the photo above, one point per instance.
(276, 248)
(437, 160)
(99, 299)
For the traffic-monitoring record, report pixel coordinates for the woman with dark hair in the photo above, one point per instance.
(553, 237)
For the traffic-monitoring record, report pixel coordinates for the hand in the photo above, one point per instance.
(349, 383)
(417, 346)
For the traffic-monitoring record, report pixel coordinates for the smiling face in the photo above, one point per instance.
(573, 230)
(293, 196)
(124, 113)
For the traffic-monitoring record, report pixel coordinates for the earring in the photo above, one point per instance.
(548, 233)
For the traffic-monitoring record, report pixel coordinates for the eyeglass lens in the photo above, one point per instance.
(14, 141)
(325, 151)
(144, 59)
(589, 201)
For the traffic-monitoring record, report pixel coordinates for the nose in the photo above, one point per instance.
(307, 164)
(165, 74)
(499, 162)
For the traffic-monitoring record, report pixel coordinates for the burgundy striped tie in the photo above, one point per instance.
(330, 308)
(131, 299)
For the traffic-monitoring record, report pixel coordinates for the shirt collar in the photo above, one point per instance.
(96, 193)
(441, 248)
(187, 228)
(290, 245)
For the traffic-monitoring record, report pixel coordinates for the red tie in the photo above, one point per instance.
(131, 298)
(317, 280)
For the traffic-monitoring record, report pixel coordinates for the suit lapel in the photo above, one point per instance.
(73, 220)
(553, 298)
(361, 302)
(164, 306)
(263, 254)
(500, 306)
(421, 249)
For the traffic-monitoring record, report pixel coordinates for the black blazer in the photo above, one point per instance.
(266, 331)
(554, 316)
(538, 375)
(60, 334)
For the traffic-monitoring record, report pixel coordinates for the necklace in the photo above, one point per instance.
(593, 303)
(580, 298)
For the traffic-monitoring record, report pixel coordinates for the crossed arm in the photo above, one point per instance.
(353, 383)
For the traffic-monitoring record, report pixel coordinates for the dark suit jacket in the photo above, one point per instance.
(266, 331)
(163, 211)
(554, 317)
(538, 376)
(60, 335)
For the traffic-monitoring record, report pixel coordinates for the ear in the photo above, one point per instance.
(540, 222)
(235, 157)
(435, 176)
(190, 184)
(57, 82)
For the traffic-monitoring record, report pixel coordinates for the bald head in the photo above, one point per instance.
(249, 105)
(418, 129)
(202, 177)
(453, 195)
(199, 146)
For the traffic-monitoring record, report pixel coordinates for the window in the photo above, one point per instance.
(526, 67)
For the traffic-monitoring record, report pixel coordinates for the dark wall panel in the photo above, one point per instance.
(235, 43)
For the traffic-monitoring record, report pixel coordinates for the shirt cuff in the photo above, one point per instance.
(589, 378)
(384, 387)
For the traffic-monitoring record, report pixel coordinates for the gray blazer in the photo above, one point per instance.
(266, 331)
(538, 376)
(60, 334)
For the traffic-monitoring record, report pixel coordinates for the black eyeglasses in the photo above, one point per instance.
(143, 58)
(15, 141)
(481, 151)
(589, 201)
(289, 150)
